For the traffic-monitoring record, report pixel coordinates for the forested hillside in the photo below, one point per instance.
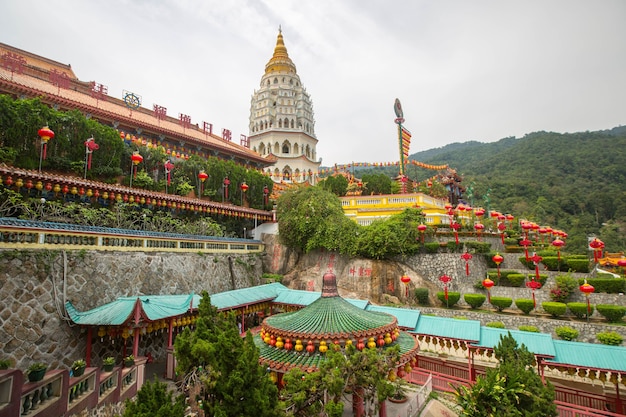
(573, 181)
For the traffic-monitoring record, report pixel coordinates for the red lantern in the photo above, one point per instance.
(310, 347)
(526, 243)
(244, 187)
(622, 262)
(445, 279)
(136, 159)
(405, 280)
(90, 146)
(597, 245)
(558, 244)
(479, 227)
(45, 134)
(266, 193)
(502, 229)
(202, 176)
(534, 285)
(456, 227)
(536, 260)
(168, 171)
(497, 259)
(422, 228)
(479, 212)
(466, 257)
(488, 283)
(225, 183)
(587, 289)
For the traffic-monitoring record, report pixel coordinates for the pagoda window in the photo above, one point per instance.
(280, 123)
(297, 175)
(308, 151)
(286, 147)
(261, 149)
(276, 148)
(275, 80)
(276, 173)
(292, 123)
(296, 149)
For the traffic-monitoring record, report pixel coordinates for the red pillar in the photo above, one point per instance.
(170, 331)
(382, 409)
(136, 342)
(358, 406)
(619, 408)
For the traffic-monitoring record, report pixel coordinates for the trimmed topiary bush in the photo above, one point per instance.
(453, 298)
(554, 308)
(514, 280)
(610, 338)
(580, 309)
(566, 333)
(495, 324)
(606, 285)
(525, 304)
(475, 300)
(611, 312)
(478, 247)
(532, 329)
(576, 265)
(431, 247)
(500, 303)
(421, 295)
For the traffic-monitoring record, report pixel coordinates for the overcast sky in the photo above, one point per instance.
(463, 69)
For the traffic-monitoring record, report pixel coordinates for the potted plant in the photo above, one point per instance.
(36, 371)
(78, 367)
(129, 361)
(108, 363)
(399, 392)
(5, 364)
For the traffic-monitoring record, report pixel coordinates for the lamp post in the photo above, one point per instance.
(405, 280)
(136, 159)
(587, 289)
(90, 146)
(558, 244)
(502, 229)
(497, 259)
(479, 227)
(202, 176)
(536, 260)
(45, 134)
(445, 279)
(488, 283)
(456, 226)
(422, 229)
(244, 187)
(526, 243)
(225, 185)
(597, 245)
(169, 166)
(533, 285)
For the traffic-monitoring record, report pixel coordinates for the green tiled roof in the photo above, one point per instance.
(304, 298)
(589, 355)
(329, 316)
(538, 343)
(152, 307)
(282, 359)
(245, 296)
(407, 318)
(448, 327)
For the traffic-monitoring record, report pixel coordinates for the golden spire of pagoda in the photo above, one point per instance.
(280, 61)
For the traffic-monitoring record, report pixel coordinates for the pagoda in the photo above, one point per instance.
(301, 338)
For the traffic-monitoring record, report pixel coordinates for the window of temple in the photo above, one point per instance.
(280, 123)
(292, 123)
(287, 173)
(308, 151)
(261, 149)
(296, 149)
(275, 80)
(286, 147)
(276, 148)
(297, 175)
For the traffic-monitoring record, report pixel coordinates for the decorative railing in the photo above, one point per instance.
(21, 234)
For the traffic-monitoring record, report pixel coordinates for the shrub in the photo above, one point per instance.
(610, 338)
(566, 333)
(478, 247)
(154, 399)
(515, 280)
(475, 300)
(453, 298)
(554, 308)
(525, 304)
(606, 285)
(580, 309)
(421, 295)
(565, 284)
(453, 246)
(500, 303)
(611, 312)
(533, 329)
(542, 278)
(553, 263)
(431, 247)
(577, 265)
(509, 241)
(495, 324)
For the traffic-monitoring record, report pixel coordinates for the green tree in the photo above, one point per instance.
(513, 388)
(234, 384)
(396, 235)
(153, 400)
(376, 184)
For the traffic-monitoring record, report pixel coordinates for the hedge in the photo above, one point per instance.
(495, 324)
(577, 265)
(542, 278)
(566, 333)
(514, 280)
(611, 312)
(533, 329)
(525, 304)
(475, 300)
(478, 247)
(421, 294)
(580, 309)
(500, 303)
(606, 285)
(554, 308)
(431, 247)
(610, 338)
(453, 297)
